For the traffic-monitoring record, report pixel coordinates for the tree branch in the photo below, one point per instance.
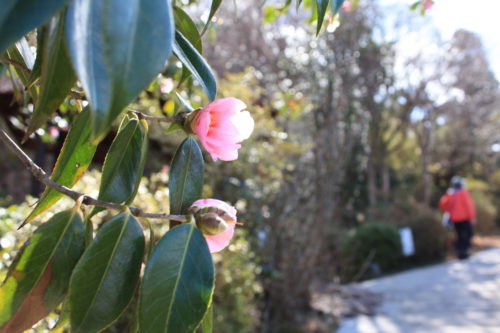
(42, 176)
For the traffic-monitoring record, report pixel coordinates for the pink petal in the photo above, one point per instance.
(225, 107)
(202, 123)
(217, 204)
(244, 122)
(218, 242)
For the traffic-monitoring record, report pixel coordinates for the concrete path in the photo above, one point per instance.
(453, 297)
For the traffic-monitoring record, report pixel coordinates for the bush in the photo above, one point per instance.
(483, 195)
(430, 238)
(370, 245)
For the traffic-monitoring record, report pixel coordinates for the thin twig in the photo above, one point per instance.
(42, 176)
(141, 115)
(16, 64)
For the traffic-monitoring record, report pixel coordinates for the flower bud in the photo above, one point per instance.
(210, 223)
(216, 220)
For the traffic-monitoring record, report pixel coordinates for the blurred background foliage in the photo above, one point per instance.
(351, 143)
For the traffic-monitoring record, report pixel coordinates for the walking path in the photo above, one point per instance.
(453, 297)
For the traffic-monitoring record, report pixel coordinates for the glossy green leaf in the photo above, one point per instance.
(187, 27)
(117, 48)
(105, 279)
(74, 158)
(39, 276)
(18, 17)
(124, 164)
(321, 6)
(192, 59)
(186, 176)
(336, 5)
(207, 324)
(178, 283)
(21, 54)
(57, 74)
(213, 9)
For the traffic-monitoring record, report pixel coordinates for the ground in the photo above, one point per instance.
(455, 297)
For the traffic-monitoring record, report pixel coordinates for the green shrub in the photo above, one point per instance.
(430, 238)
(368, 245)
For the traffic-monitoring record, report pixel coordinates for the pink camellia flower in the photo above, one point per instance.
(216, 220)
(427, 4)
(221, 126)
(346, 6)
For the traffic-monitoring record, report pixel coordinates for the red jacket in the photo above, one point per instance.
(459, 205)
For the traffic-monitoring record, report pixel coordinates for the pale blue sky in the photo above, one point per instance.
(480, 16)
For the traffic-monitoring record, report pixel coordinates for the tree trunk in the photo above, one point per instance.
(371, 181)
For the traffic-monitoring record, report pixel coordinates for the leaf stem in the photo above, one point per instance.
(15, 64)
(42, 176)
(141, 115)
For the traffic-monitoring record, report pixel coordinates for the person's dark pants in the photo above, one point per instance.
(464, 235)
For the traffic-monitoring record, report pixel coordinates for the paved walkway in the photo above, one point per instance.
(453, 297)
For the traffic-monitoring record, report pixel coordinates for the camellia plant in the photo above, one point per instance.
(101, 54)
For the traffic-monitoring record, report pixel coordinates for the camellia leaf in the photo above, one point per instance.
(117, 48)
(322, 6)
(178, 283)
(207, 324)
(57, 74)
(213, 9)
(192, 59)
(186, 176)
(40, 44)
(18, 17)
(74, 158)
(21, 54)
(124, 164)
(188, 29)
(336, 5)
(39, 276)
(105, 278)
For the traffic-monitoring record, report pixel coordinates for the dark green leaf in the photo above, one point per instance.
(178, 283)
(74, 158)
(18, 17)
(117, 49)
(213, 9)
(105, 278)
(187, 27)
(192, 59)
(322, 6)
(39, 276)
(124, 164)
(336, 5)
(186, 176)
(57, 74)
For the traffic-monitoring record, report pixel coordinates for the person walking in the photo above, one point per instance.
(458, 203)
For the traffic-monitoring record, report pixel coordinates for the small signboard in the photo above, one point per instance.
(407, 244)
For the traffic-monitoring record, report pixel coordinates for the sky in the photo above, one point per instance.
(479, 16)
